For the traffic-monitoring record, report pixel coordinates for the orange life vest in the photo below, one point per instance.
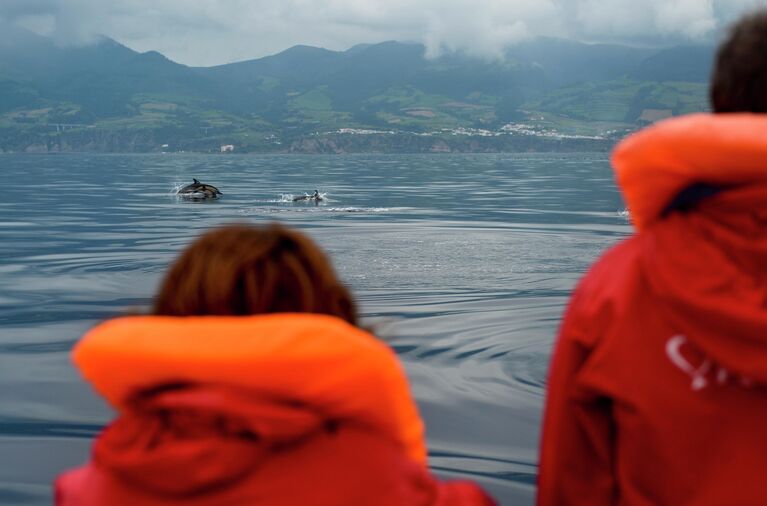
(313, 359)
(654, 165)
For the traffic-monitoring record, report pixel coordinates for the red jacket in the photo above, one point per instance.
(287, 409)
(656, 391)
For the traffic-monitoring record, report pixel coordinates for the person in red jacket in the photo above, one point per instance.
(252, 384)
(658, 385)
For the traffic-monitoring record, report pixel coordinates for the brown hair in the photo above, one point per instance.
(739, 79)
(245, 270)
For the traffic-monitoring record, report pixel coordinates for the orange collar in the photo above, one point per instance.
(654, 165)
(318, 360)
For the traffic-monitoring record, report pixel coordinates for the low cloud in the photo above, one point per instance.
(208, 32)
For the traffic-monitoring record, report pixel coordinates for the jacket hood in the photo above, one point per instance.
(706, 266)
(200, 388)
(654, 165)
(191, 439)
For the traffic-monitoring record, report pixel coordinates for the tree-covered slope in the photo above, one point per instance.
(106, 90)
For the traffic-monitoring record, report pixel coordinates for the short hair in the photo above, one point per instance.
(248, 270)
(739, 78)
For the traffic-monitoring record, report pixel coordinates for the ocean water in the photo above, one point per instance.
(463, 264)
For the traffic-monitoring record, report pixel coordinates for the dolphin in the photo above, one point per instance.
(199, 191)
(316, 197)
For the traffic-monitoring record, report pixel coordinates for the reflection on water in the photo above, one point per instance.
(462, 263)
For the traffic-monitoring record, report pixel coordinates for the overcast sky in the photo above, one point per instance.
(210, 32)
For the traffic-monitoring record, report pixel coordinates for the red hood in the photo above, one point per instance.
(194, 439)
(707, 267)
(245, 386)
(315, 360)
(655, 164)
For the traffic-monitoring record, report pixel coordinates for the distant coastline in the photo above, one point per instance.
(341, 142)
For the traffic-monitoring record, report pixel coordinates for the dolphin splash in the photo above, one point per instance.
(316, 197)
(199, 191)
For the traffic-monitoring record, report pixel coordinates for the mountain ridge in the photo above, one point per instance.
(271, 103)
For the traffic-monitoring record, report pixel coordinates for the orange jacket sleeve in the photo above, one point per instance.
(576, 457)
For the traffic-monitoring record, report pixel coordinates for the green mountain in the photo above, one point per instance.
(681, 63)
(543, 94)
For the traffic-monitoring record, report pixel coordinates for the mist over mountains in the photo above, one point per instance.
(543, 94)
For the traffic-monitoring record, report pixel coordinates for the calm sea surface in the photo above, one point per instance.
(462, 263)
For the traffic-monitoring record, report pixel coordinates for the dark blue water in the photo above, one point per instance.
(462, 263)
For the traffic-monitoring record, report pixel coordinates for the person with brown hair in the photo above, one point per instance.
(739, 80)
(656, 391)
(242, 270)
(251, 384)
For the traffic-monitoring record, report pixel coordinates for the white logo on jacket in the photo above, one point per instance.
(702, 369)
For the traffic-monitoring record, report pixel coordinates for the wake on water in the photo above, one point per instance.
(309, 205)
(288, 198)
(625, 214)
(309, 209)
(175, 187)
